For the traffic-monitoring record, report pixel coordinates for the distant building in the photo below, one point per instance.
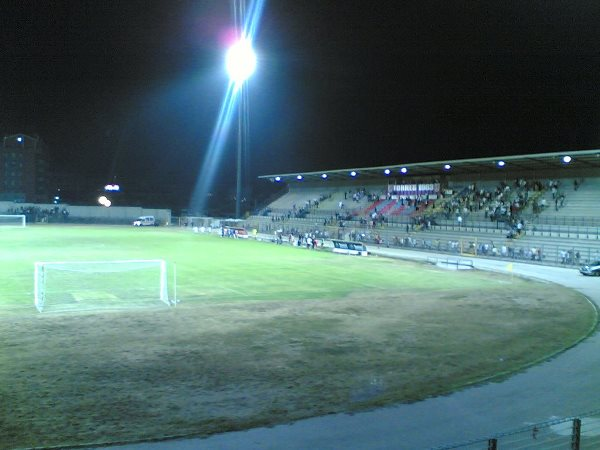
(23, 169)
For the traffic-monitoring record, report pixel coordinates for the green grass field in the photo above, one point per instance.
(263, 334)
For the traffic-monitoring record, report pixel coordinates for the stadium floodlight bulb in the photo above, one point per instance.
(240, 61)
(324, 176)
(102, 200)
(501, 163)
(447, 167)
(278, 179)
(404, 170)
(566, 159)
(353, 173)
(299, 177)
(387, 171)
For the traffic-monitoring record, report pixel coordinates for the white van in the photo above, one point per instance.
(145, 221)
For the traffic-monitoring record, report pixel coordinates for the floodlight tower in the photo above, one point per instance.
(240, 63)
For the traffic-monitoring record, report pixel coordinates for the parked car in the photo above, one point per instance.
(145, 221)
(591, 269)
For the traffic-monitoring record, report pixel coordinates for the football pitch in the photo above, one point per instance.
(263, 334)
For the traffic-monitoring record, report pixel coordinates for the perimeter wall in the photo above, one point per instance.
(41, 212)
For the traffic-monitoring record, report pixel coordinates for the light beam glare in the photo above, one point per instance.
(222, 127)
(253, 19)
(214, 152)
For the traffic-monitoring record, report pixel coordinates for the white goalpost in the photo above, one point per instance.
(79, 285)
(12, 220)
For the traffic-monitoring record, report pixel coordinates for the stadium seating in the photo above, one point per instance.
(582, 202)
(573, 230)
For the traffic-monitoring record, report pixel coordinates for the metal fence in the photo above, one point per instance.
(558, 226)
(567, 254)
(571, 433)
(574, 221)
(537, 230)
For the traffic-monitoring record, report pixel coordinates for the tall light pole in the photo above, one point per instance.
(241, 63)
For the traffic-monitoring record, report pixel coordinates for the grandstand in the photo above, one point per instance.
(541, 208)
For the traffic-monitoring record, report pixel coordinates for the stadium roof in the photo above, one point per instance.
(582, 159)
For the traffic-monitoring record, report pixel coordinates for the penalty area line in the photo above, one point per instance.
(235, 291)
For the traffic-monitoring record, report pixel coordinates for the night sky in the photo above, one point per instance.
(129, 91)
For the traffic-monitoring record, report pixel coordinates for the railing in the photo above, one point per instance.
(497, 247)
(457, 264)
(494, 228)
(572, 433)
(580, 221)
(569, 227)
(350, 213)
(571, 232)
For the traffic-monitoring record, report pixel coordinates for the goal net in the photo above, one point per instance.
(83, 285)
(12, 220)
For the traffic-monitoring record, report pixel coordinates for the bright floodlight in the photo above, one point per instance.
(404, 170)
(501, 163)
(566, 159)
(19, 139)
(447, 167)
(324, 176)
(387, 171)
(298, 177)
(240, 61)
(278, 179)
(353, 173)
